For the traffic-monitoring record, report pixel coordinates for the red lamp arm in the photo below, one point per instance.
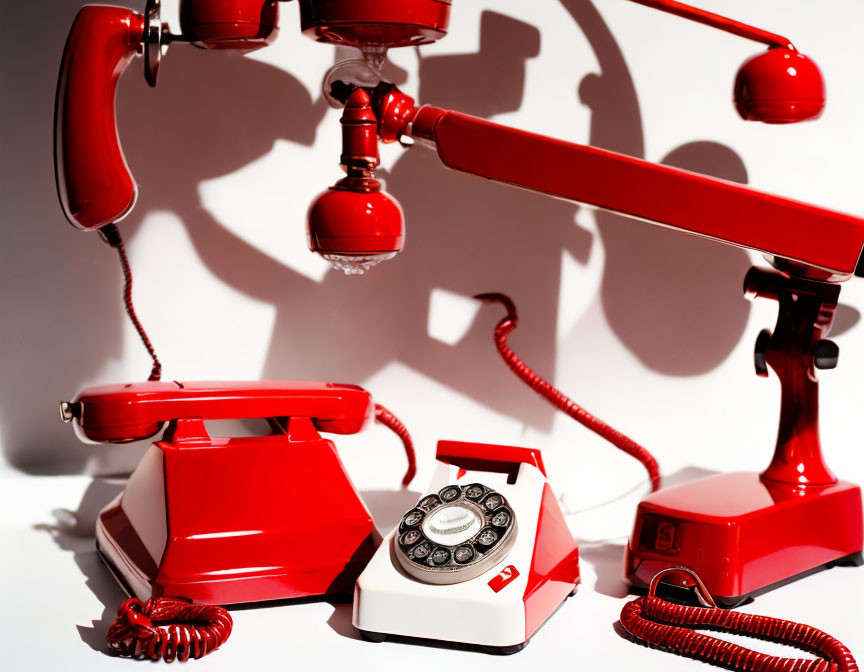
(829, 243)
(718, 21)
(93, 180)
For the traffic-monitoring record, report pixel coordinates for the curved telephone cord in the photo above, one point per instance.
(168, 628)
(393, 423)
(111, 235)
(655, 621)
(556, 397)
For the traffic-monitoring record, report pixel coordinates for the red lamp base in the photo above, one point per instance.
(743, 535)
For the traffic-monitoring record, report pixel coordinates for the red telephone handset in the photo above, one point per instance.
(93, 180)
(94, 183)
(125, 413)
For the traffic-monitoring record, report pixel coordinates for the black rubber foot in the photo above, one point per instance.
(503, 650)
(376, 637)
(854, 560)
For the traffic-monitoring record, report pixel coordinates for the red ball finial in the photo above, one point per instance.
(782, 86)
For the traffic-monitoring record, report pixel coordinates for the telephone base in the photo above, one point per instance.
(499, 607)
(744, 535)
(234, 521)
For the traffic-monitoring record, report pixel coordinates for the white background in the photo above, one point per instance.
(645, 327)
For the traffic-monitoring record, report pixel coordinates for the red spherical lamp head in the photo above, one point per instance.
(355, 225)
(781, 86)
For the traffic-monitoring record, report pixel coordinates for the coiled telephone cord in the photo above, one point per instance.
(111, 235)
(169, 629)
(393, 423)
(559, 399)
(654, 621)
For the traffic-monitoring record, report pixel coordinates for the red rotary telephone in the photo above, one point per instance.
(230, 520)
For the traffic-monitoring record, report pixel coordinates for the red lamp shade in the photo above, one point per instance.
(385, 23)
(355, 225)
(230, 24)
(781, 86)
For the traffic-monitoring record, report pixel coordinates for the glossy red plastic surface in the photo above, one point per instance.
(355, 217)
(359, 135)
(828, 242)
(716, 21)
(388, 23)
(554, 565)
(487, 457)
(741, 534)
(781, 86)
(252, 519)
(121, 413)
(230, 24)
(93, 180)
(343, 221)
(806, 311)
(554, 572)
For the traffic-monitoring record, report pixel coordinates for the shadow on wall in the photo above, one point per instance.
(674, 300)
(464, 234)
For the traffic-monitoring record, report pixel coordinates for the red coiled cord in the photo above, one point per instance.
(654, 621)
(168, 628)
(557, 398)
(111, 235)
(393, 423)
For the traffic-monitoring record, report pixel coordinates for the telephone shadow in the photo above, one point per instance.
(73, 532)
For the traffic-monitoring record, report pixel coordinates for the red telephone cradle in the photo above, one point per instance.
(747, 532)
(232, 520)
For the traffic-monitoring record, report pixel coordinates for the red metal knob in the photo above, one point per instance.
(355, 225)
(230, 24)
(781, 86)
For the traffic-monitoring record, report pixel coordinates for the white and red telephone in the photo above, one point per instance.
(484, 558)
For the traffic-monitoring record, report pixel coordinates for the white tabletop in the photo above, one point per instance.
(57, 600)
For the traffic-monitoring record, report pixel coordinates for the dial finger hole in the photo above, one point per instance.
(429, 503)
(439, 557)
(421, 551)
(410, 538)
(502, 518)
(450, 493)
(463, 554)
(487, 538)
(474, 491)
(413, 518)
(493, 501)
